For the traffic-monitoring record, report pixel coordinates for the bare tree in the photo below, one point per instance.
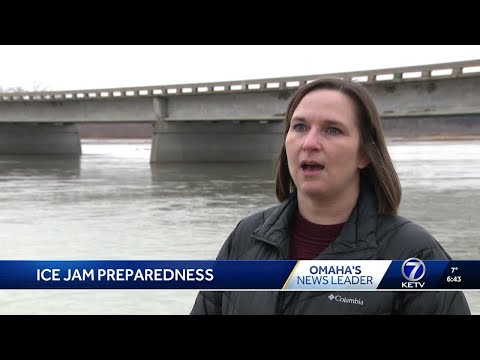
(36, 87)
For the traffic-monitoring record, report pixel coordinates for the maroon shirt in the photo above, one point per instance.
(309, 239)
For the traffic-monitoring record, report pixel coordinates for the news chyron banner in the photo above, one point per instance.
(282, 275)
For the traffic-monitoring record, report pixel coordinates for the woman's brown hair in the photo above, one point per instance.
(380, 172)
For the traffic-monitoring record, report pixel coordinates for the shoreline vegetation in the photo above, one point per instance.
(433, 138)
(390, 139)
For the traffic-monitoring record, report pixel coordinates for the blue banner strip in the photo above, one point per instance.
(311, 275)
(149, 274)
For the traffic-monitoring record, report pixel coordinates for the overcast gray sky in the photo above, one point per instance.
(70, 67)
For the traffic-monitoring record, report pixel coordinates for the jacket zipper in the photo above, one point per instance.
(281, 302)
(281, 295)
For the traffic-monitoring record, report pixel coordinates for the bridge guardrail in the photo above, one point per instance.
(392, 75)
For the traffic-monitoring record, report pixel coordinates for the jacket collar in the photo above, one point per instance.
(357, 239)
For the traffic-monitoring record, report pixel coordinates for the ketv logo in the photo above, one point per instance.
(413, 270)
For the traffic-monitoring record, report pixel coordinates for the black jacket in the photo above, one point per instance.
(366, 235)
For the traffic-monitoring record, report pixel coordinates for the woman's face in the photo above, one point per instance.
(323, 145)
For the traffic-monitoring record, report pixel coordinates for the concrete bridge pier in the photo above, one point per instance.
(39, 139)
(216, 141)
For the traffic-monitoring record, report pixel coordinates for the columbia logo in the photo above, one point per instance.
(345, 300)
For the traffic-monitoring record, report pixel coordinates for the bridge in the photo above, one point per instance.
(236, 120)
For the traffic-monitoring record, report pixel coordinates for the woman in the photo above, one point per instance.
(339, 194)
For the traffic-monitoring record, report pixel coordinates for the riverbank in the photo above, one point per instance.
(390, 139)
(446, 128)
(394, 139)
